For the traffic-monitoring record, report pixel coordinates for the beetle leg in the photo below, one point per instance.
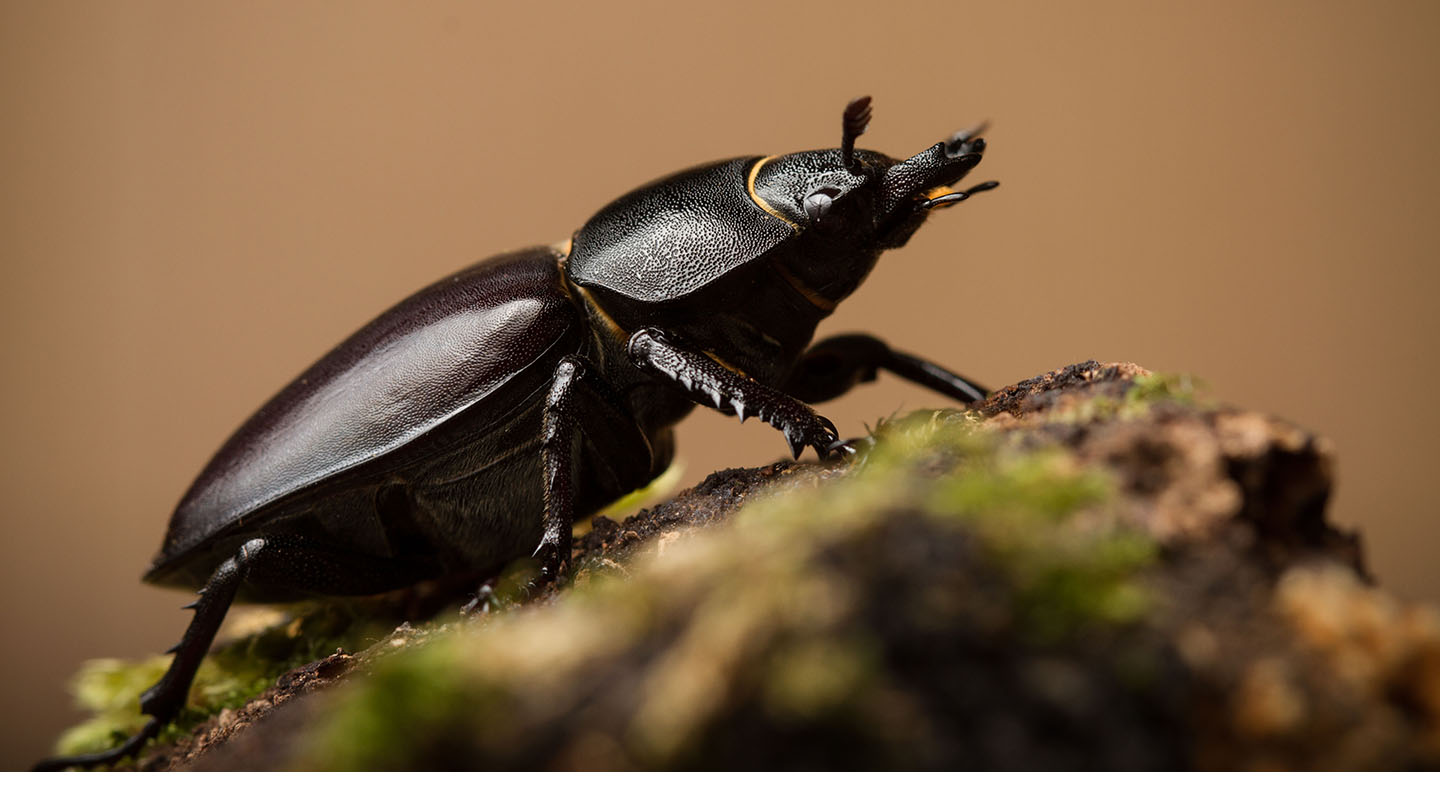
(716, 386)
(557, 443)
(262, 562)
(164, 700)
(585, 414)
(835, 365)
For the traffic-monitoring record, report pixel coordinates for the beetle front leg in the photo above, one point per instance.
(835, 365)
(712, 384)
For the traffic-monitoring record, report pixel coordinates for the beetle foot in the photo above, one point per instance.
(798, 422)
(481, 603)
(806, 428)
(554, 566)
(128, 748)
(542, 583)
(549, 573)
(853, 450)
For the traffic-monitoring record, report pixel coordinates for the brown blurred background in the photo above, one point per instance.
(201, 198)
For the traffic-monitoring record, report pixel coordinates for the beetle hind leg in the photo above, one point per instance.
(164, 700)
(108, 757)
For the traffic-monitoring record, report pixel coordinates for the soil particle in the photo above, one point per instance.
(229, 723)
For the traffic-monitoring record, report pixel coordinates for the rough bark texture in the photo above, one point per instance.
(1100, 573)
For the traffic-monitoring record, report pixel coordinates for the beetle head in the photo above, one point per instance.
(855, 203)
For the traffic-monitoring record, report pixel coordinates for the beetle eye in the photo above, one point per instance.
(818, 202)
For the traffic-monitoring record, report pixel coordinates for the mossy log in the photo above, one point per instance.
(1095, 569)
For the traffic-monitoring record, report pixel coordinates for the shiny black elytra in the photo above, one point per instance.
(490, 408)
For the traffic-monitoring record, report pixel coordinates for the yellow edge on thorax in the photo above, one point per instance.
(819, 301)
(816, 300)
(618, 332)
(750, 187)
(571, 290)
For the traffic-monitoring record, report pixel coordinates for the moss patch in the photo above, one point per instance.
(232, 674)
(966, 595)
(810, 623)
(1148, 389)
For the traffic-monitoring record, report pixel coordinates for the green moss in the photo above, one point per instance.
(812, 677)
(1051, 526)
(767, 620)
(231, 675)
(1048, 523)
(1088, 410)
(1149, 389)
(653, 492)
(109, 689)
(1007, 493)
(1143, 393)
(1092, 582)
(771, 620)
(420, 688)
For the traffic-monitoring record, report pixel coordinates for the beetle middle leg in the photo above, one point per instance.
(712, 384)
(580, 405)
(557, 454)
(835, 365)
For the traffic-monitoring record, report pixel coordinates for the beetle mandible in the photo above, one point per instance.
(489, 409)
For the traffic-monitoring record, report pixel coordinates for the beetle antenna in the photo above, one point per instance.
(958, 196)
(854, 123)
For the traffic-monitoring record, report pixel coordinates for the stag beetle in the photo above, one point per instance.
(490, 408)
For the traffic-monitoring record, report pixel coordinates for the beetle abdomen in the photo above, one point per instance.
(437, 353)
